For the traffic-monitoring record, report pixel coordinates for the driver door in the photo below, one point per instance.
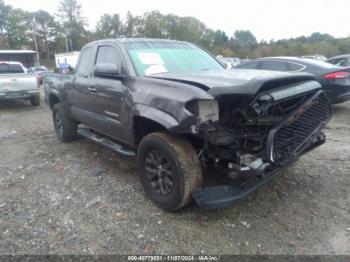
(109, 94)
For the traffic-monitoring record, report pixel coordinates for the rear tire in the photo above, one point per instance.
(169, 169)
(65, 127)
(35, 100)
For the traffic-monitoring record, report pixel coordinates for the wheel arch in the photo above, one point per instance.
(53, 99)
(145, 120)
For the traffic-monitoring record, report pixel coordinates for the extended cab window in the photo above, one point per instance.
(85, 62)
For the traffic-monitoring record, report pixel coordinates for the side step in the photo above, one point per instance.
(115, 147)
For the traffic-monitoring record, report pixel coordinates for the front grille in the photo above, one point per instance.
(289, 138)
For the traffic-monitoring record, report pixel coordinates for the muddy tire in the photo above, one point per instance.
(169, 170)
(35, 100)
(65, 127)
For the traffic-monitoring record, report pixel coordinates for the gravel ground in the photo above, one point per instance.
(80, 198)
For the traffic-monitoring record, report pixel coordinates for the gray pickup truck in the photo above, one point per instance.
(15, 83)
(175, 108)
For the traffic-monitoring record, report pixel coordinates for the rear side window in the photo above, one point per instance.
(346, 62)
(11, 69)
(295, 67)
(341, 62)
(85, 62)
(333, 61)
(15, 68)
(248, 65)
(274, 66)
(338, 61)
(108, 54)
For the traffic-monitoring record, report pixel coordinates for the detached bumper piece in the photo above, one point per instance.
(227, 195)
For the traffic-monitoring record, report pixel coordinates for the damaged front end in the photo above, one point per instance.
(250, 143)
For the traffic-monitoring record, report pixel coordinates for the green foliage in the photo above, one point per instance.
(4, 12)
(129, 28)
(16, 29)
(109, 26)
(72, 23)
(243, 42)
(46, 30)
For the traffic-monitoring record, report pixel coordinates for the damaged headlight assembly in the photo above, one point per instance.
(262, 105)
(204, 110)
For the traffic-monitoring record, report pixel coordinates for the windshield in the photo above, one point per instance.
(151, 58)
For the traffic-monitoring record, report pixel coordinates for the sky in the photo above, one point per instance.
(266, 19)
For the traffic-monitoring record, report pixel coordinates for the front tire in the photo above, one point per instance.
(35, 100)
(65, 127)
(169, 170)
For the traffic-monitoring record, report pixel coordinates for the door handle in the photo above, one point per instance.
(92, 89)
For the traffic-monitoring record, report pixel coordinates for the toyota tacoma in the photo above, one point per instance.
(175, 108)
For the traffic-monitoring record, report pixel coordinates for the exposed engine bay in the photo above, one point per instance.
(273, 130)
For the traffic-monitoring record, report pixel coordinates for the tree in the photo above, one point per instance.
(220, 38)
(4, 12)
(243, 43)
(130, 25)
(16, 29)
(318, 37)
(244, 38)
(46, 30)
(72, 23)
(153, 25)
(109, 26)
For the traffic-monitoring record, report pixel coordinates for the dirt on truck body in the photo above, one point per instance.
(180, 112)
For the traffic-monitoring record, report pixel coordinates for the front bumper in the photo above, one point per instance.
(19, 94)
(227, 195)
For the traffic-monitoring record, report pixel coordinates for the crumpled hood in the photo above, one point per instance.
(236, 81)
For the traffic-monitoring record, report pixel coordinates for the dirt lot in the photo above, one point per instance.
(54, 199)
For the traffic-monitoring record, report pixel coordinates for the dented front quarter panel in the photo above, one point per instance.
(164, 101)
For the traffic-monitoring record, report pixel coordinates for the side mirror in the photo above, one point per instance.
(107, 70)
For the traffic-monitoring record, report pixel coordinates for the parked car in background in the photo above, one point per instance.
(315, 57)
(174, 106)
(334, 79)
(39, 71)
(16, 83)
(229, 62)
(341, 60)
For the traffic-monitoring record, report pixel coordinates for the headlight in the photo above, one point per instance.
(205, 110)
(262, 105)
